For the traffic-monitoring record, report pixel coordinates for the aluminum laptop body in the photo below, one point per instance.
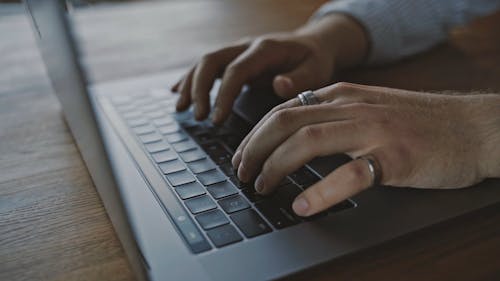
(163, 238)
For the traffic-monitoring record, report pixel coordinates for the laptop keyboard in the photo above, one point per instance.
(195, 159)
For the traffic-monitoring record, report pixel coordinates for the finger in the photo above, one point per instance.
(185, 88)
(301, 78)
(346, 181)
(237, 155)
(304, 145)
(251, 63)
(175, 87)
(282, 125)
(209, 68)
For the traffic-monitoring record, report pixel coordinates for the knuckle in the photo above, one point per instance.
(208, 59)
(234, 68)
(361, 110)
(342, 86)
(337, 90)
(265, 42)
(313, 132)
(282, 117)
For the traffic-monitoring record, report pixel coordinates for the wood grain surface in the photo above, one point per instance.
(52, 223)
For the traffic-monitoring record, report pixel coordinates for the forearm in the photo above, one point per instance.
(341, 38)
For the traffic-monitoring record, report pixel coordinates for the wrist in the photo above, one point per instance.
(340, 38)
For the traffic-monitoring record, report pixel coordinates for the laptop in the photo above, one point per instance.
(168, 187)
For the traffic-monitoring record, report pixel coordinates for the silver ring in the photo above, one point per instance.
(373, 168)
(308, 98)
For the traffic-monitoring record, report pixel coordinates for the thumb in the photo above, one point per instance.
(288, 85)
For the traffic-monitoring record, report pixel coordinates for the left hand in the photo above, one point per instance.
(418, 140)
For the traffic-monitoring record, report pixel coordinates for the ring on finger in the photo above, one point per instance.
(373, 168)
(308, 98)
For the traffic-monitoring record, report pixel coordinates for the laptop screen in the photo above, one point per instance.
(59, 53)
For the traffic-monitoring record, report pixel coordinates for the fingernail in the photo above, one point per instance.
(179, 106)
(197, 113)
(300, 206)
(217, 115)
(283, 84)
(236, 159)
(259, 184)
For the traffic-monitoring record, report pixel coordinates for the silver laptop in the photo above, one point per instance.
(172, 196)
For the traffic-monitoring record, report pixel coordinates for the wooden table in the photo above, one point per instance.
(52, 223)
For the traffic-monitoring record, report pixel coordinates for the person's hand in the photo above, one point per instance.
(417, 139)
(291, 62)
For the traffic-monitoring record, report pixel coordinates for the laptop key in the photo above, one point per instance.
(231, 141)
(201, 166)
(172, 166)
(192, 155)
(211, 219)
(184, 146)
(200, 204)
(189, 190)
(137, 122)
(284, 181)
(132, 115)
(151, 109)
(176, 137)
(285, 195)
(250, 223)
(203, 137)
(241, 185)
(121, 100)
(276, 215)
(211, 177)
(163, 121)
(149, 138)
(169, 129)
(218, 153)
(221, 189)
(187, 227)
(252, 195)
(233, 204)
(193, 129)
(158, 115)
(163, 156)
(156, 146)
(304, 177)
(144, 129)
(227, 169)
(180, 178)
(224, 235)
(126, 108)
(346, 204)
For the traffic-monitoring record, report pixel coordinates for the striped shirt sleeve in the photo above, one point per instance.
(400, 28)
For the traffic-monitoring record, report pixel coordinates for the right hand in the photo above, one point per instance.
(292, 62)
